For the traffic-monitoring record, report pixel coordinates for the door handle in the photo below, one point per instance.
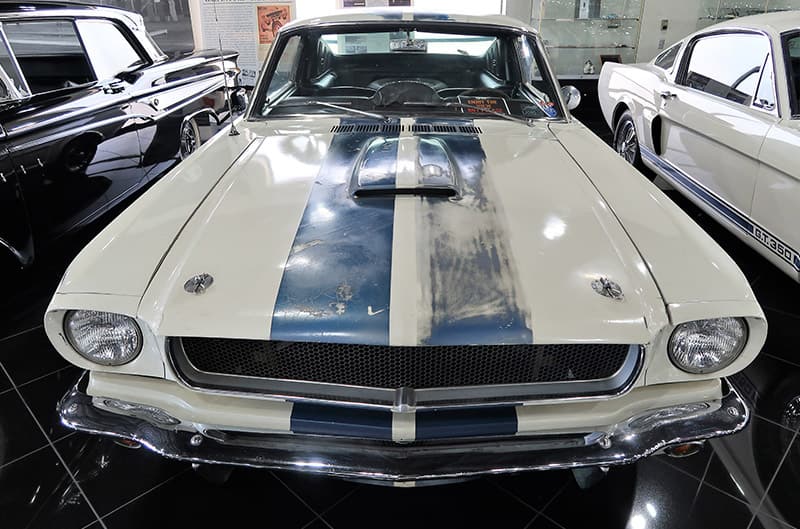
(667, 95)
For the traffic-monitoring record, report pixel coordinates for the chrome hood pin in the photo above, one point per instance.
(610, 289)
(198, 284)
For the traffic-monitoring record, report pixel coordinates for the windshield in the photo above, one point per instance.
(408, 72)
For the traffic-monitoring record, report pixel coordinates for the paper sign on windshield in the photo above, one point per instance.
(492, 104)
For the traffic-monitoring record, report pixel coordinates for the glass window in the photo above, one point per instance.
(791, 44)
(398, 69)
(667, 58)
(109, 50)
(285, 68)
(12, 83)
(728, 66)
(364, 43)
(49, 53)
(765, 95)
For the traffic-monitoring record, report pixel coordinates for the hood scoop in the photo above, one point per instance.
(405, 166)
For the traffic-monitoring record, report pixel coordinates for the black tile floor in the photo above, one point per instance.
(53, 478)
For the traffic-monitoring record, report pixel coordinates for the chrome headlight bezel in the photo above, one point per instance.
(729, 357)
(71, 339)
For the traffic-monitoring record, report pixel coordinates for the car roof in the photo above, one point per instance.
(776, 22)
(405, 14)
(46, 8)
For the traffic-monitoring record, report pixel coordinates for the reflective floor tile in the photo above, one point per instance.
(37, 492)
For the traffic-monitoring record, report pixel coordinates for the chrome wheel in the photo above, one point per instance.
(190, 138)
(626, 143)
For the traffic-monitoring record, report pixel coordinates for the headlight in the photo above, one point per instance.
(705, 346)
(103, 337)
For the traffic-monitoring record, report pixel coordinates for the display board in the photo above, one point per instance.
(375, 3)
(248, 26)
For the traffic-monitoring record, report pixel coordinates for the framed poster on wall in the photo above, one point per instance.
(247, 26)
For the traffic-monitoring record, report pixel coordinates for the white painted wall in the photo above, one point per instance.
(683, 18)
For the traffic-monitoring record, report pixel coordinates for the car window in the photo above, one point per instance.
(765, 95)
(110, 52)
(666, 60)
(49, 53)
(728, 66)
(791, 45)
(286, 66)
(12, 83)
(402, 69)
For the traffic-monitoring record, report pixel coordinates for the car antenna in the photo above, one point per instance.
(233, 131)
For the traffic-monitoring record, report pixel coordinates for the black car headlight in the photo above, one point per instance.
(706, 346)
(103, 337)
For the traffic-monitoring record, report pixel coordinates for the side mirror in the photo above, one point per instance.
(239, 100)
(572, 96)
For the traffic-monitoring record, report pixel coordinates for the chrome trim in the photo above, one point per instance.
(383, 461)
(21, 258)
(210, 111)
(616, 385)
(123, 98)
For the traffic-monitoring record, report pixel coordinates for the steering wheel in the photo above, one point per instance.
(399, 92)
(484, 92)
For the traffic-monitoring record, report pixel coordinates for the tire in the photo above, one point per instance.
(189, 139)
(626, 143)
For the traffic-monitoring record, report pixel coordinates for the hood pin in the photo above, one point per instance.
(606, 287)
(198, 284)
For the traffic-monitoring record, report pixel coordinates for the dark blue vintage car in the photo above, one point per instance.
(91, 110)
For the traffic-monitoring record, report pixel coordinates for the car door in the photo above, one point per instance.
(713, 122)
(186, 100)
(776, 201)
(16, 244)
(74, 143)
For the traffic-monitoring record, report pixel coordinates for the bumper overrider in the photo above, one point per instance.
(385, 460)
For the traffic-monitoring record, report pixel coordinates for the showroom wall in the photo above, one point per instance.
(576, 31)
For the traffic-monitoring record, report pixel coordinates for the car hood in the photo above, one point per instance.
(314, 235)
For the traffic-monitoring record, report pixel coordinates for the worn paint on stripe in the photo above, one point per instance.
(341, 421)
(431, 16)
(470, 294)
(450, 424)
(763, 236)
(337, 278)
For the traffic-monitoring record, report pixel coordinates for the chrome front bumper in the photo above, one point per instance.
(624, 442)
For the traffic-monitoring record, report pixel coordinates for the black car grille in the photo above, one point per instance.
(238, 364)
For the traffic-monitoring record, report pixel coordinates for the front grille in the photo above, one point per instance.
(373, 374)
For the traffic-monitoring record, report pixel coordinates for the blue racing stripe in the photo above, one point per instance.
(431, 16)
(464, 244)
(337, 279)
(760, 234)
(342, 421)
(449, 424)
(388, 14)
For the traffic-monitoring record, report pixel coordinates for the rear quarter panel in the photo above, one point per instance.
(637, 88)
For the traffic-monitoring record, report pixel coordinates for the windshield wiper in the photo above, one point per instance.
(482, 110)
(343, 108)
